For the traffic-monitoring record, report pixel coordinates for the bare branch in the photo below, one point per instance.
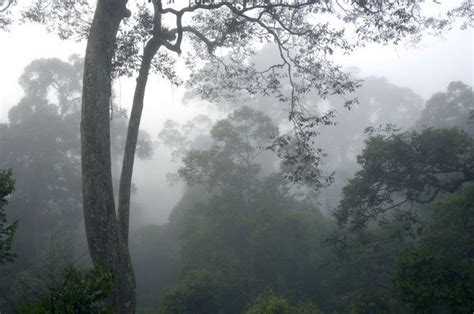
(9, 3)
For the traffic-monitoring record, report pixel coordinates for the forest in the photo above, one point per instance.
(277, 176)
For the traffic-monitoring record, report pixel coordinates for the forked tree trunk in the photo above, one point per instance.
(106, 245)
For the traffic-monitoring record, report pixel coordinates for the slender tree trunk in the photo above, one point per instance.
(106, 245)
(149, 53)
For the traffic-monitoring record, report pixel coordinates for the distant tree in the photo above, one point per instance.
(304, 42)
(7, 230)
(455, 107)
(387, 205)
(249, 232)
(274, 242)
(180, 138)
(379, 103)
(41, 143)
(236, 144)
(403, 169)
(238, 149)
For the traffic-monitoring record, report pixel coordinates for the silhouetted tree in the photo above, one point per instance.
(455, 107)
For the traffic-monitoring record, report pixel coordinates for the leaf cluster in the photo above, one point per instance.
(7, 230)
(75, 292)
(401, 169)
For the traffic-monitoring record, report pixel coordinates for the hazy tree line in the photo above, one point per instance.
(393, 233)
(40, 143)
(254, 239)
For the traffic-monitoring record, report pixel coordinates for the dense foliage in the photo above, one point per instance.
(244, 238)
(401, 169)
(305, 35)
(253, 242)
(7, 230)
(405, 219)
(73, 292)
(439, 270)
(41, 144)
(250, 234)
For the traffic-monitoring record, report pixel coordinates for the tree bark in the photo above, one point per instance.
(106, 245)
(149, 53)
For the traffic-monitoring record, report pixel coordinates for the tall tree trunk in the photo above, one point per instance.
(106, 245)
(149, 53)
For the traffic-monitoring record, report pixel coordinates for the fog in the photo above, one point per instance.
(191, 180)
(426, 68)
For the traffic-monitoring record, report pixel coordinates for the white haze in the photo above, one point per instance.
(426, 69)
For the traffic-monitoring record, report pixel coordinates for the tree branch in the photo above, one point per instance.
(149, 52)
(9, 3)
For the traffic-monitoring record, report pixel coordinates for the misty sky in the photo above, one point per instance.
(426, 69)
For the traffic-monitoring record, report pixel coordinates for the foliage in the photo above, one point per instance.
(303, 38)
(41, 144)
(5, 16)
(362, 302)
(380, 269)
(403, 174)
(452, 227)
(305, 307)
(438, 272)
(380, 102)
(269, 303)
(237, 142)
(400, 169)
(7, 231)
(238, 150)
(180, 138)
(427, 281)
(75, 292)
(196, 294)
(361, 267)
(455, 107)
(251, 233)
